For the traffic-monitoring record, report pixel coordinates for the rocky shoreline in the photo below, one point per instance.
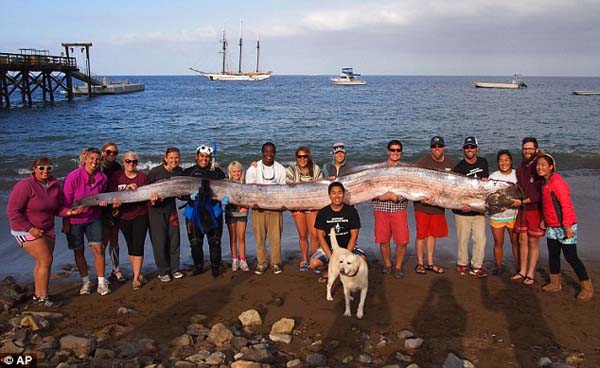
(271, 321)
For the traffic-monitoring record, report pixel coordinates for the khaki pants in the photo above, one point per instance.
(267, 225)
(473, 226)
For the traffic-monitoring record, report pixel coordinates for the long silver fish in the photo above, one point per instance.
(444, 189)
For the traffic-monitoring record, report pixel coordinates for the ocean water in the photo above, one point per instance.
(186, 111)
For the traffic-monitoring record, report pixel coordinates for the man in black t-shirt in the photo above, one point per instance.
(471, 223)
(346, 222)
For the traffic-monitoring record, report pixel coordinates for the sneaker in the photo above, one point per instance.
(259, 270)
(177, 274)
(244, 266)
(477, 272)
(462, 270)
(103, 289)
(235, 264)
(45, 302)
(85, 288)
(164, 278)
(277, 269)
(386, 271)
(117, 275)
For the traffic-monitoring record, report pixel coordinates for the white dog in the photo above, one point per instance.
(353, 272)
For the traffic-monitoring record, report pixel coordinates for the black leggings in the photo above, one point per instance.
(570, 252)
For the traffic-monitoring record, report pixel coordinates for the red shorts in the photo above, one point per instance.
(388, 225)
(529, 221)
(431, 225)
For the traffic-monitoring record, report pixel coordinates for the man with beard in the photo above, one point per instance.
(529, 217)
(431, 220)
(471, 223)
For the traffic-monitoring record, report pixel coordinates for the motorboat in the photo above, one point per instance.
(109, 88)
(348, 78)
(587, 93)
(515, 84)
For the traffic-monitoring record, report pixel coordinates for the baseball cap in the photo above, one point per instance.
(470, 141)
(437, 141)
(339, 147)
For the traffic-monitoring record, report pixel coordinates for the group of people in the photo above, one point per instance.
(545, 209)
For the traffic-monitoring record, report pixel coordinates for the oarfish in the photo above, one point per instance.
(444, 189)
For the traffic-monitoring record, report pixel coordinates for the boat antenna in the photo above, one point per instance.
(240, 60)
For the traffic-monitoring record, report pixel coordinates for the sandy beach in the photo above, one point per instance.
(493, 322)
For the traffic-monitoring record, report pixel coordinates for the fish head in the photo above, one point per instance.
(502, 198)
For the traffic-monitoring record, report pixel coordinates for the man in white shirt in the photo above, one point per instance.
(267, 223)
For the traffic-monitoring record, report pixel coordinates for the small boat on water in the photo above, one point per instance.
(233, 76)
(348, 78)
(586, 93)
(109, 88)
(515, 84)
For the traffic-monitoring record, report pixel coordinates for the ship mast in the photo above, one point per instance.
(257, 52)
(224, 42)
(240, 59)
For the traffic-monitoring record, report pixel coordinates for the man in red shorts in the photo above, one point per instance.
(529, 217)
(389, 210)
(431, 220)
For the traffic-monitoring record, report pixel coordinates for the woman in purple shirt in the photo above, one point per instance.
(32, 206)
(85, 181)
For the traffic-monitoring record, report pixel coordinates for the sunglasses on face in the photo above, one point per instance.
(437, 146)
(110, 153)
(44, 168)
(396, 150)
(135, 162)
(301, 156)
(469, 147)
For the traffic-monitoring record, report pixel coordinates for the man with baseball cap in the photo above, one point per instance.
(471, 223)
(431, 220)
(339, 166)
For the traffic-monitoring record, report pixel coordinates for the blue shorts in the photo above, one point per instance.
(321, 256)
(92, 231)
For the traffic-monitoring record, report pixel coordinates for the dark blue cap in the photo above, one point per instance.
(437, 141)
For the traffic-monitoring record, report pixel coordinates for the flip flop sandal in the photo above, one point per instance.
(528, 281)
(322, 279)
(434, 268)
(518, 276)
(420, 269)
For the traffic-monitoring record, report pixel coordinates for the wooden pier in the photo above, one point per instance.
(33, 70)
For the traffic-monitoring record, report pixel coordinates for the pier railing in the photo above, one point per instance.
(13, 60)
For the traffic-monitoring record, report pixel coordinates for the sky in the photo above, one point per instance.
(317, 37)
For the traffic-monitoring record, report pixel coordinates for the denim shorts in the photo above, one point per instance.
(91, 230)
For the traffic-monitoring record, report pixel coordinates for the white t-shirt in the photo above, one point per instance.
(511, 213)
(261, 174)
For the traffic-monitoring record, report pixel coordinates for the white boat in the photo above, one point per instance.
(348, 78)
(587, 93)
(515, 84)
(233, 76)
(109, 88)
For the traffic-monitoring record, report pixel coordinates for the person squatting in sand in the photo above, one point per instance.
(346, 222)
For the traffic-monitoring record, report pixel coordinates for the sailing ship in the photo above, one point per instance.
(239, 76)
